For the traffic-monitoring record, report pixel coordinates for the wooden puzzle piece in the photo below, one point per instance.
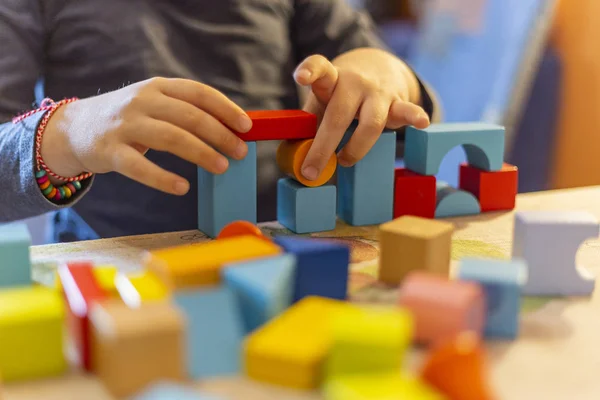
(263, 287)
(304, 209)
(139, 287)
(501, 281)
(548, 241)
(219, 195)
(172, 391)
(413, 243)
(136, 347)
(280, 125)
(366, 190)
(291, 156)
(414, 194)
(442, 308)
(495, 191)
(32, 323)
(452, 202)
(15, 264)
(425, 148)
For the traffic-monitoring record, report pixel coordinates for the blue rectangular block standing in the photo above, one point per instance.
(171, 391)
(304, 209)
(215, 331)
(228, 197)
(366, 190)
(15, 264)
(263, 287)
(321, 267)
(501, 281)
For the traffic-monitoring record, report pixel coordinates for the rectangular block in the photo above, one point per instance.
(32, 323)
(495, 190)
(172, 391)
(280, 125)
(414, 194)
(384, 386)
(135, 348)
(366, 190)
(304, 209)
(134, 289)
(105, 276)
(219, 196)
(215, 331)
(15, 265)
(200, 264)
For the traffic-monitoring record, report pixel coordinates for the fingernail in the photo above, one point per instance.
(221, 164)
(344, 162)
(181, 187)
(245, 124)
(310, 173)
(241, 150)
(303, 74)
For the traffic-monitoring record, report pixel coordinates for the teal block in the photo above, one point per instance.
(228, 197)
(366, 190)
(171, 391)
(501, 281)
(214, 333)
(304, 209)
(263, 287)
(425, 148)
(15, 263)
(452, 202)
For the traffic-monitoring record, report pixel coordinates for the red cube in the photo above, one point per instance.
(414, 194)
(495, 190)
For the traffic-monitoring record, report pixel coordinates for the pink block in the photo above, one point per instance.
(442, 308)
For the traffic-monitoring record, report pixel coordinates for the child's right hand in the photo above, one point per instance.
(113, 131)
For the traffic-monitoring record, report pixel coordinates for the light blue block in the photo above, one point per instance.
(452, 202)
(366, 190)
(501, 281)
(263, 287)
(425, 148)
(214, 333)
(228, 197)
(171, 391)
(15, 264)
(304, 209)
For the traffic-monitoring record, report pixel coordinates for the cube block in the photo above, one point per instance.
(414, 194)
(304, 209)
(496, 190)
(136, 288)
(15, 265)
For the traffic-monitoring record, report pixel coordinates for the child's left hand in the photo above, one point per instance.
(371, 85)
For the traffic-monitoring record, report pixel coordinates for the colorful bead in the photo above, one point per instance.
(45, 185)
(42, 179)
(58, 196)
(61, 189)
(71, 188)
(67, 192)
(47, 190)
(41, 173)
(77, 185)
(52, 193)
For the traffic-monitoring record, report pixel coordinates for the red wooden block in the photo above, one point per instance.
(81, 290)
(414, 194)
(280, 125)
(495, 190)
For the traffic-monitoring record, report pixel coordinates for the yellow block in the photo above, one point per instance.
(390, 386)
(31, 333)
(200, 264)
(104, 274)
(140, 287)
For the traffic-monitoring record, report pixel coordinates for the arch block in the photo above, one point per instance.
(425, 148)
(452, 202)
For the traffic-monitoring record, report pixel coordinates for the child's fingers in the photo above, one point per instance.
(319, 73)
(372, 121)
(406, 113)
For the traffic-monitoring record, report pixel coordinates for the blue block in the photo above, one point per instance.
(425, 148)
(502, 282)
(263, 287)
(15, 264)
(214, 333)
(171, 391)
(321, 267)
(366, 190)
(304, 209)
(228, 197)
(452, 202)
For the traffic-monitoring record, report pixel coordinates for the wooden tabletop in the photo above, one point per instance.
(556, 356)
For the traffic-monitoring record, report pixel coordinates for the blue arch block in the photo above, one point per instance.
(452, 202)
(425, 148)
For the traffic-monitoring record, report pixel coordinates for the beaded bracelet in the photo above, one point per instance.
(56, 193)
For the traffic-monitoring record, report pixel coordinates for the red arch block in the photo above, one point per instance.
(280, 125)
(495, 190)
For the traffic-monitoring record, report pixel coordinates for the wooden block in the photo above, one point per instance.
(501, 282)
(452, 202)
(458, 369)
(32, 323)
(442, 308)
(200, 264)
(219, 195)
(414, 194)
(15, 266)
(280, 125)
(105, 276)
(291, 156)
(135, 348)
(241, 228)
(215, 331)
(134, 289)
(304, 209)
(366, 190)
(263, 287)
(413, 243)
(321, 267)
(425, 148)
(81, 290)
(495, 191)
(172, 391)
(384, 386)
(369, 340)
(548, 241)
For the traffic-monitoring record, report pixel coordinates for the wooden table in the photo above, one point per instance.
(556, 356)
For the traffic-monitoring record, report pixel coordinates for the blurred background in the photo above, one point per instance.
(530, 65)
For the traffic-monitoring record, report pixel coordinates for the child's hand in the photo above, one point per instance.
(369, 84)
(113, 131)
